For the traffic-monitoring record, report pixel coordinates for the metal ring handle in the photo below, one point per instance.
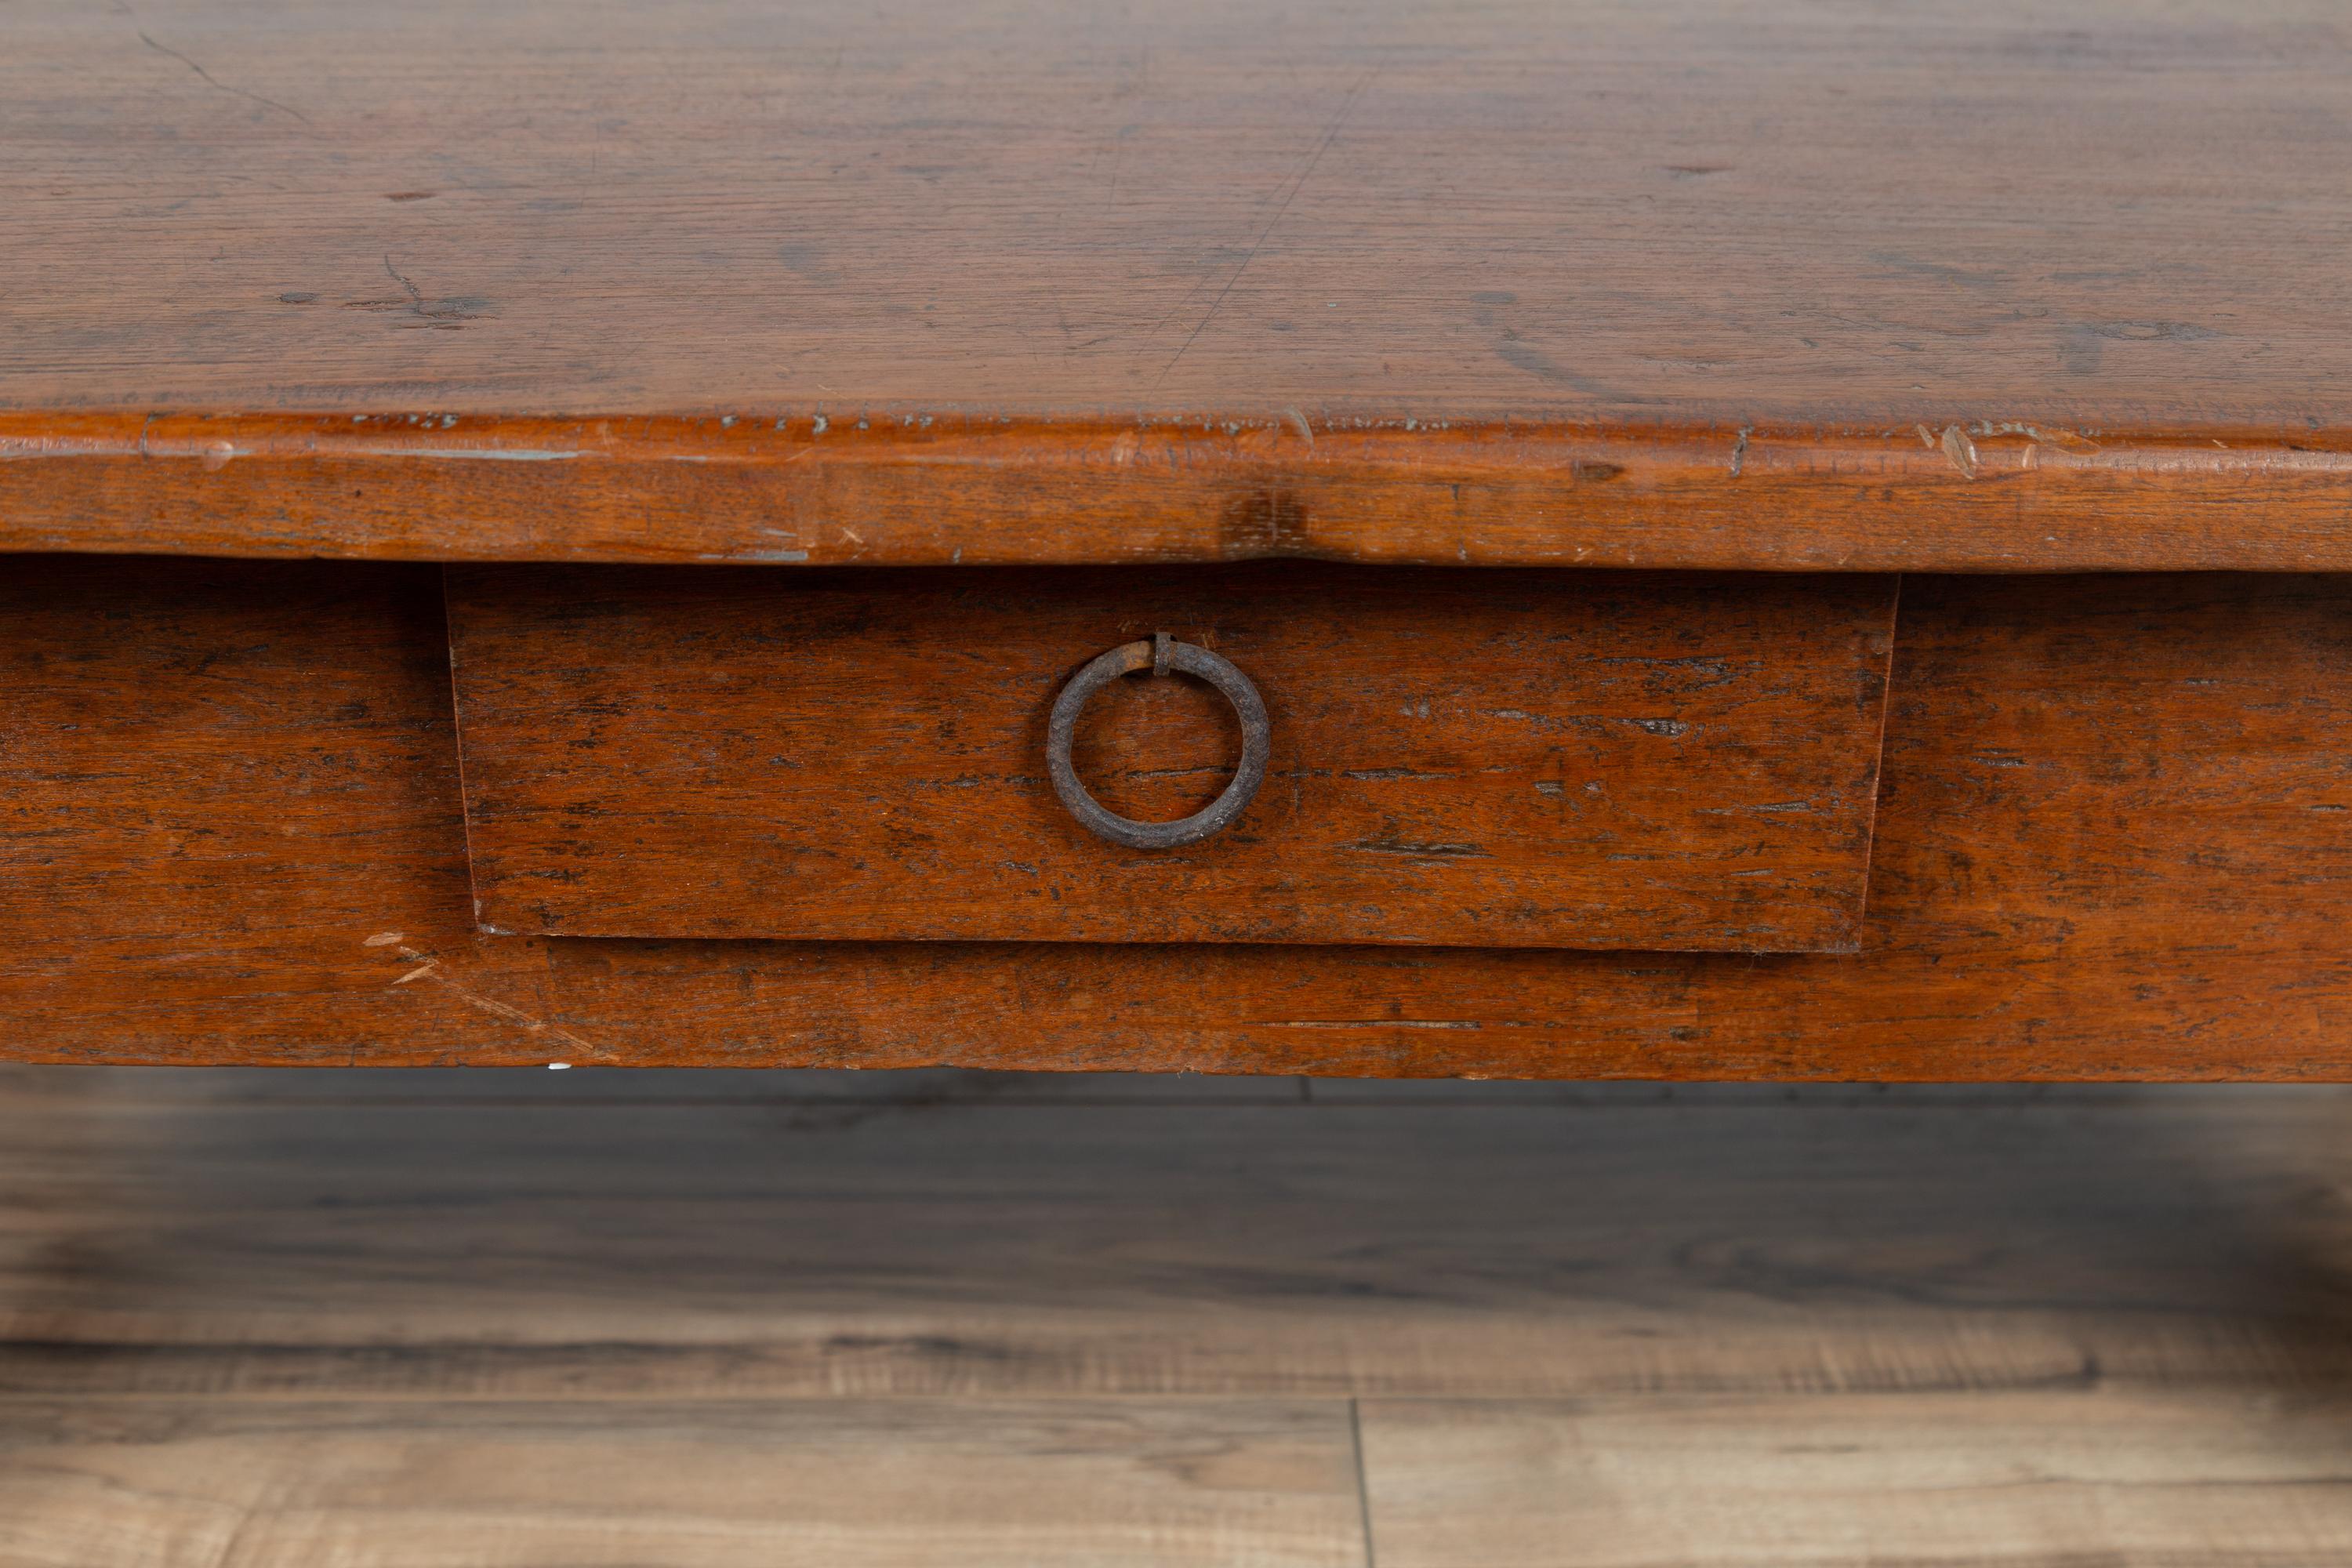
(1160, 653)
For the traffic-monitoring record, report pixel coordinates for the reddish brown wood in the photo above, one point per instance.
(2111, 845)
(1550, 759)
(1687, 284)
(1890, 288)
(218, 781)
(1977, 495)
(1867, 216)
(2115, 828)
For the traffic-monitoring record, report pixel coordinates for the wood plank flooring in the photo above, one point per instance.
(523, 1320)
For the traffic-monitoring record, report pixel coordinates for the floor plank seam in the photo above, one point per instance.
(1363, 1483)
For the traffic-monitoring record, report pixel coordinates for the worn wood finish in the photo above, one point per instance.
(1477, 759)
(1869, 285)
(2057, 894)
(214, 775)
(1966, 495)
(2110, 842)
(2117, 809)
(1867, 213)
(2047, 903)
(524, 1320)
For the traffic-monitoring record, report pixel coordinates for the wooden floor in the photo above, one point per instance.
(255, 1319)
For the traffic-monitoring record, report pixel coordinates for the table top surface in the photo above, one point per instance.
(1876, 236)
(1845, 212)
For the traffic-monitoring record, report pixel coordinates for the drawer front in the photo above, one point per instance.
(1534, 759)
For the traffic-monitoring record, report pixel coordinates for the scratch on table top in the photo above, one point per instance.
(224, 87)
(1955, 446)
(428, 967)
(1297, 184)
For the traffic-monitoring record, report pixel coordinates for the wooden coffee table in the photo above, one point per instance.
(1666, 541)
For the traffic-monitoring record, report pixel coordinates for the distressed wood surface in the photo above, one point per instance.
(1975, 495)
(1687, 284)
(528, 1319)
(1568, 759)
(2110, 844)
(1861, 214)
(2109, 808)
(210, 777)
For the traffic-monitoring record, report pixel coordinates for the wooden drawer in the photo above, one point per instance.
(1495, 758)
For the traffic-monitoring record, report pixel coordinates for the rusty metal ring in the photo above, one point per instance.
(1160, 654)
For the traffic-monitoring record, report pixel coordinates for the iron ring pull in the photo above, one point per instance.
(1159, 653)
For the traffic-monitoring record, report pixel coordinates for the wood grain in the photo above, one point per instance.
(505, 1486)
(164, 1244)
(1972, 494)
(2229, 1478)
(1868, 285)
(968, 1321)
(2108, 847)
(1474, 759)
(1865, 213)
(217, 784)
(2122, 801)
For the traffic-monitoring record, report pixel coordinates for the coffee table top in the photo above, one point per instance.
(2101, 258)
